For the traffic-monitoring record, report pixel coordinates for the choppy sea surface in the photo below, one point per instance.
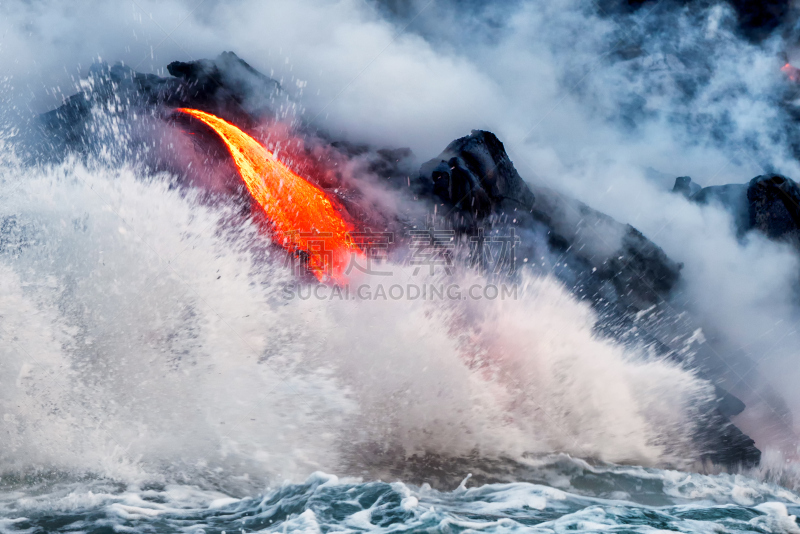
(585, 499)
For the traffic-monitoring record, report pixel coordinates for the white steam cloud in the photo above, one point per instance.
(590, 107)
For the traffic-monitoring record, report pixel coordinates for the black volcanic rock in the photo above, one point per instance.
(475, 175)
(685, 186)
(769, 203)
(226, 86)
(726, 444)
(474, 181)
(224, 83)
(733, 197)
(774, 207)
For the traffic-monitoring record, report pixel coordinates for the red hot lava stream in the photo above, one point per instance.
(302, 216)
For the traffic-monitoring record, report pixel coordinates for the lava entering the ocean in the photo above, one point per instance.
(302, 216)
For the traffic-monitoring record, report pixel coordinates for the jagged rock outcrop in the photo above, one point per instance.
(226, 86)
(685, 186)
(474, 180)
(769, 204)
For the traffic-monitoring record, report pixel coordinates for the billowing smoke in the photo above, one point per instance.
(606, 103)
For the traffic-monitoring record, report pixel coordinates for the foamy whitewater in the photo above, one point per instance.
(149, 333)
(156, 375)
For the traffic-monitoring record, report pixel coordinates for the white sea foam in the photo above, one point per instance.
(324, 502)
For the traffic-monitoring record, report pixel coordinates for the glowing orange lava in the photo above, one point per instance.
(302, 216)
(792, 72)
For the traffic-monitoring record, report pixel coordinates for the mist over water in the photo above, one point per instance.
(147, 337)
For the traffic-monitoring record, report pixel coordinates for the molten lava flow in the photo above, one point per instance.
(303, 218)
(792, 72)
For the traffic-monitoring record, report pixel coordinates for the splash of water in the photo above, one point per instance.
(150, 336)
